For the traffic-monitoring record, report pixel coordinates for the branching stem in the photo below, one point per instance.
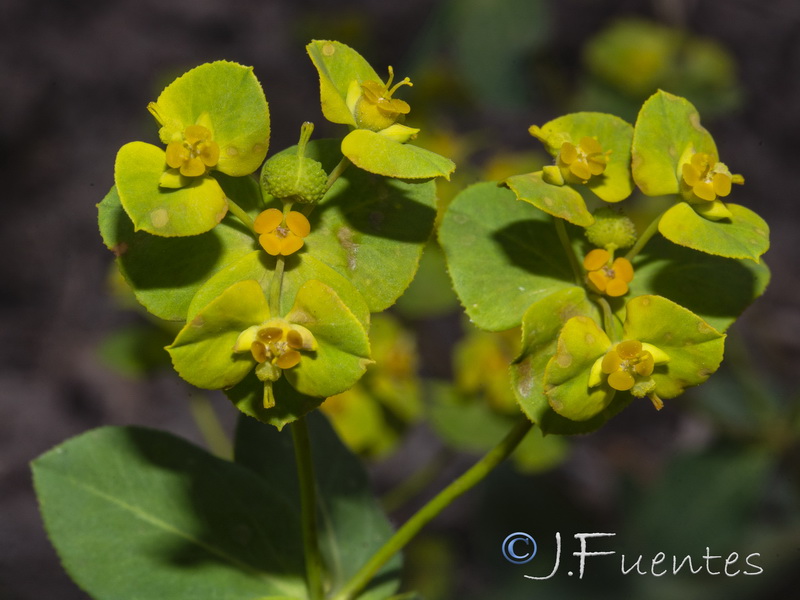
(645, 237)
(428, 512)
(240, 214)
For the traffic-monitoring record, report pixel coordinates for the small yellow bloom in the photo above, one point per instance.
(279, 235)
(375, 109)
(606, 277)
(195, 154)
(275, 345)
(707, 179)
(628, 366)
(583, 161)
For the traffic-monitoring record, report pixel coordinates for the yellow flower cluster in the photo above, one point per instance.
(707, 179)
(605, 276)
(584, 160)
(195, 153)
(376, 109)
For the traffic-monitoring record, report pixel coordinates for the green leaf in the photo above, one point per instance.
(299, 269)
(693, 346)
(695, 280)
(338, 66)
(137, 513)
(167, 212)
(503, 255)
(614, 134)
(227, 98)
(202, 352)
(352, 526)
(566, 378)
(541, 326)
(666, 127)
(165, 273)
(290, 405)
(560, 201)
(382, 155)
(744, 235)
(370, 229)
(342, 353)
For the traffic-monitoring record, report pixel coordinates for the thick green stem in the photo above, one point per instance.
(561, 230)
(644, 238)
(308, 509)
(240, 214)
(428, 512)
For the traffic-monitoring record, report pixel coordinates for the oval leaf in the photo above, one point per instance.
(693, 346)
(202, 352)
(566, 378)
(165, 273)
(138, 513)
(541, 326)
(370, 229)
(695, 279)
(342, 354)
(502, 255)
(382, 155)
(614, 134)
(744, 235)
(166, 212)
(560, 201)
(299, 269)
(227, 98)
(666, 126)
(338, 66)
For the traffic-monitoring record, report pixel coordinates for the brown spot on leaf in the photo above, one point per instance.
(120, 249)
(345, 237)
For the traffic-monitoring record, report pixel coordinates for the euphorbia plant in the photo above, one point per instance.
(274, 280)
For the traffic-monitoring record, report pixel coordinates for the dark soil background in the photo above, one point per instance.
(76, 77)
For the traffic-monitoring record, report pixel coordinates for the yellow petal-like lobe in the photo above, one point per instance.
(616, 288)
(268, 220)
(721, 183)
(580, 169)
(611, 362)
(599, 279)
(288, 360)
(193, 167)
(175, 154)
(704, 191)
(568, 153)
(623, 269)
(590, 145)
(596, 259)
(690, 174)
(259, 351)
(209, 154)
(290, 244)
(620, 380)
(645, 365)
(629, 349)
(298, 223)
(271, 243)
